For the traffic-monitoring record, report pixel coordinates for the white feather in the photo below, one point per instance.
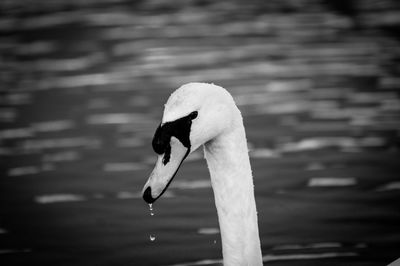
(219, 127)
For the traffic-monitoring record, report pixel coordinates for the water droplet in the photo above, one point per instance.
(151, 209)
(152, 236)
(215, 241)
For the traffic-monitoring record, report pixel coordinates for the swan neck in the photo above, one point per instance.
(232, 182)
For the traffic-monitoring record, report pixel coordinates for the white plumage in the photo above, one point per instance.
(219, 128)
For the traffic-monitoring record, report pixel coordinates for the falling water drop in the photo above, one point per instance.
(215, 241)
(151, 209)
(152, 236)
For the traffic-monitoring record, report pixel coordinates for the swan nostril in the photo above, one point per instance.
(147, 196)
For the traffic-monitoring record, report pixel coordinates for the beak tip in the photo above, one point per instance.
(147, 196)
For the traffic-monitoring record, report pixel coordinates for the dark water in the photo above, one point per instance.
(82, 90)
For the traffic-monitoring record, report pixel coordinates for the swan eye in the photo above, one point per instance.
(193, 115)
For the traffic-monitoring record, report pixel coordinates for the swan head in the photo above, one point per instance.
(194, 114)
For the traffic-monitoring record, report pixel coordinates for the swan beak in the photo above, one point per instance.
(166, 167)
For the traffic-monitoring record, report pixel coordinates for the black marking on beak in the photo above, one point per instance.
(147, 196)
(179, 129)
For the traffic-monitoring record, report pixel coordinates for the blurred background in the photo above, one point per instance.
(82, 88)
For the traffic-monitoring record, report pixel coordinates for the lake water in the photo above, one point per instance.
(82, 91)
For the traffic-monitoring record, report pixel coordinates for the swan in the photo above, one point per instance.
(199, 114)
